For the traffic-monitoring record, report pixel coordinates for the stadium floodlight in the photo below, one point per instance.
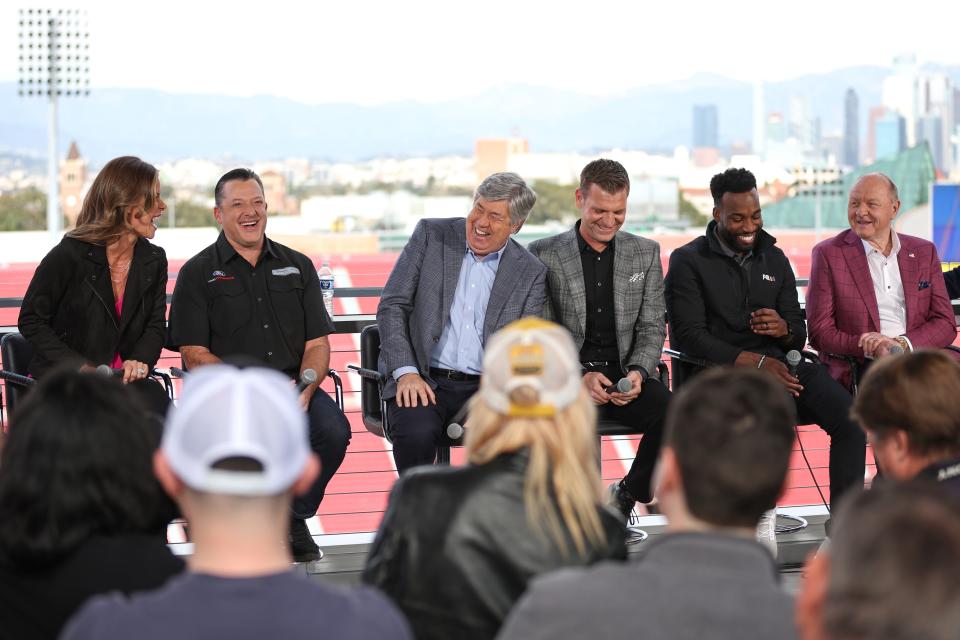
(54, 62)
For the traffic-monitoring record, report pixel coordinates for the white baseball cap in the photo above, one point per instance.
(225, 412)
(530, 369)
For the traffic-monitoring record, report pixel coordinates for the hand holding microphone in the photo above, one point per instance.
(307, 378)
(623, 386)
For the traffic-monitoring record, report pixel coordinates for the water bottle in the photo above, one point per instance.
(326, 286)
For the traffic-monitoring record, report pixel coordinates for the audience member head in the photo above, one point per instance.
(501, 205)
(890, 572)
(531, 397)
(76, 464)
(728, 437)
(602, 200)
(736, 208)
(124, 198)
(907, 404)
(872, 206)
(237, 436)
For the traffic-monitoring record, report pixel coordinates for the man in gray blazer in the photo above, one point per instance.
(606, 287)
(457, 281)
(725, 458)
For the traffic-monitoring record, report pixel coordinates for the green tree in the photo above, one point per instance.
(24, 210)
(554, 202)
(686, 211)
(190, 214)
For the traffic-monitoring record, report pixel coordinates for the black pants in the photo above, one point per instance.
(153, 395)
(825, 402)
(416, 432)
(329, 438)
(646, 415)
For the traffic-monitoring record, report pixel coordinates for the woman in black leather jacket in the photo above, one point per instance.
(457, 547)
(99, 297)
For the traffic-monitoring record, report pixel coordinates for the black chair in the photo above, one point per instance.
(16, 353)
(373, 408)
(858, 368)
(685, 366)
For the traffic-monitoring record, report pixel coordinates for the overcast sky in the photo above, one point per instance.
(383, 50)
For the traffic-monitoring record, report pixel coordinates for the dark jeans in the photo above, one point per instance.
(644, 415)
(825, 402)
(417, 431)
(329, 437)
(153, 395)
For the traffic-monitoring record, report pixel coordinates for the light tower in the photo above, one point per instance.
(54, 62)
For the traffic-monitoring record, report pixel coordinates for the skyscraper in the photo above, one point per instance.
(705, 125)
(891, 135)
(851, 129)
(759, 120)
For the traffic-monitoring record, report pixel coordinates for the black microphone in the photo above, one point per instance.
(793, 359)
(107, 371)
(623, 386)
(177, 372)
(455, 429)
(307, 378)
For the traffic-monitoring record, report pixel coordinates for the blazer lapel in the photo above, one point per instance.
(99, 280)
(909, 270)
(856, 259)
(622, 271)
(453, 251)
(509, 271)
(572, 269)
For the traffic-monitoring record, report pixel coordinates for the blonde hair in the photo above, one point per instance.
(120, 184)
(562, 485)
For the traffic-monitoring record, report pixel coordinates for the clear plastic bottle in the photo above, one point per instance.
(326, 286)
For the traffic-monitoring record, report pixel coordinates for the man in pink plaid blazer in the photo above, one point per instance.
(872, 289)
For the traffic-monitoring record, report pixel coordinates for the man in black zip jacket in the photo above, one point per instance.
(732, 299)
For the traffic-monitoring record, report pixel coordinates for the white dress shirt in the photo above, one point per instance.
(888, 288)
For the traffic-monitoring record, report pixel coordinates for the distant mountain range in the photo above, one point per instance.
(165, 126)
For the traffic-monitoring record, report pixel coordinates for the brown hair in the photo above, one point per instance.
(609, 175)
(893, 559)
(120, 184)
(732, 433)
(917, 393)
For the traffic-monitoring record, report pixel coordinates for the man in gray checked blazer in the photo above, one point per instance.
(606, 287)
(457, 281)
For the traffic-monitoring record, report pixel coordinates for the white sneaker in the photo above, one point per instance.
(767, 531)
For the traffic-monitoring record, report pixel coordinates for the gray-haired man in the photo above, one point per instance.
(457, 281)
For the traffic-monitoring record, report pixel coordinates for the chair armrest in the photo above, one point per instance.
(683, 357)
(369, 374)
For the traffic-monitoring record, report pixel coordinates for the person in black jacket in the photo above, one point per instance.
(457, 546)
(952, 279)
(80, 510)
(99, 297)
(732, 299)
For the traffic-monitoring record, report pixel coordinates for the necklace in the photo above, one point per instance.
(118, 272)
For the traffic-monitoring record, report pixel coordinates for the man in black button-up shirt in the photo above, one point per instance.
(606, 287)
(247, 296)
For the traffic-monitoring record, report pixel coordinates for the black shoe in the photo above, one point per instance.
(623, 502)
(302, 546)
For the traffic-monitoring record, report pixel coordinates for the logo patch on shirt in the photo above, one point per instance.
(219, 275)
(768, 277)
(286, 271)
(637, 277)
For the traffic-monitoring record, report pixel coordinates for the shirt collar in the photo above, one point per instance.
(895, 249)
(582, 242)
(226, 251)
(493, 256)
(728, 250)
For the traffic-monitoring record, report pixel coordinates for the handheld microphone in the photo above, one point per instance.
(623, 386)
(793, 359)
(896, 350)
(307, 378)
(107, 371)
(455, 429)
(177, 372)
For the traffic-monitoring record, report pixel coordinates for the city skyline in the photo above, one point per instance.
(380, 52)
